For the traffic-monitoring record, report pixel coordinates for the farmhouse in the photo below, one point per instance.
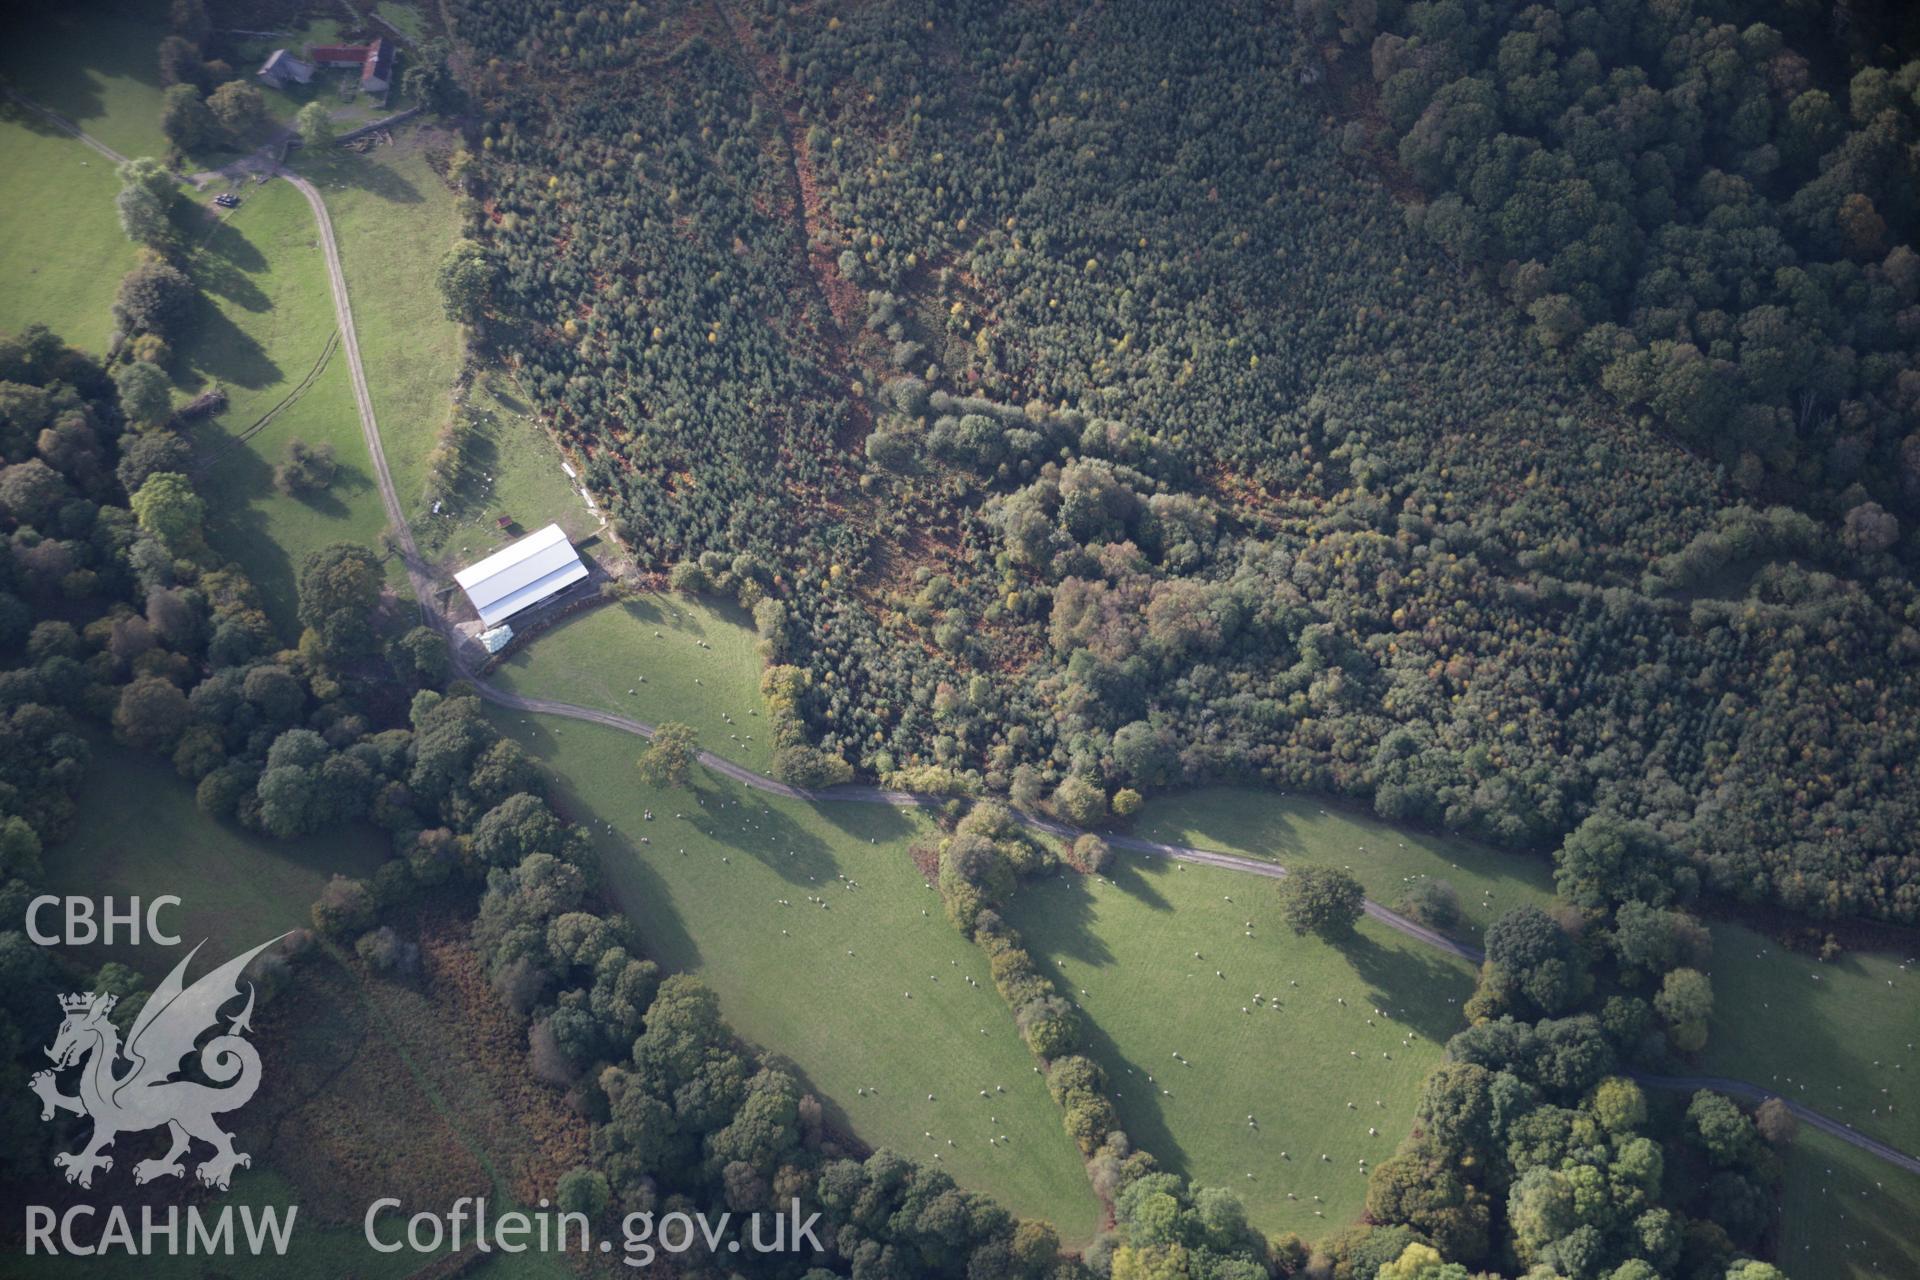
(521, 574)
(282, 69)
(375, 61)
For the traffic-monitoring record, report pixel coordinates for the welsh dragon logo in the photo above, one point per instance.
(128, 1088)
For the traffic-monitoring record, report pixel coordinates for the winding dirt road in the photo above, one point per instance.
(421, 577)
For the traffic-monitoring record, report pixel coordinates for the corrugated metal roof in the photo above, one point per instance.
(521, 574)
(379, 63)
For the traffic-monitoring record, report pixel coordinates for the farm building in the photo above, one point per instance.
(521, 574)
(282, 69)
(375, 61)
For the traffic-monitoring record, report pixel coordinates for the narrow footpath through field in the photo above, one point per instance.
(421, 578)
(65, 125)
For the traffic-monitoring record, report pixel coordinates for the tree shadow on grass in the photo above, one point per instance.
(336, 169)
(27, 118)
(1055, 917)
(1416, 987)
(1127, 876)
(225, 265)
(483, 458)
(876, 823)
(1224, 826)
(346, 478)
(753, 829)
(498, 388)
(663, 610)
(1139, 1099)
(224, 351)
(76, 93)
(230, 475)
(1782, 992)
(629, 879)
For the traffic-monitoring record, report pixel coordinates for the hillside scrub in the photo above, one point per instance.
(1101, 432)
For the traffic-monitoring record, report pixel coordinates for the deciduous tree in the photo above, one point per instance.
(314, 125)
(185, 119)
(339, 587)
(668, 759)
(1322, 900)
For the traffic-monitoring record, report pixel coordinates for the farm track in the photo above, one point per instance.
(313, 375)
(421, 578)
(65, 125)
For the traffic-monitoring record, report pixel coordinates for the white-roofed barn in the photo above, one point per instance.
(521, 575)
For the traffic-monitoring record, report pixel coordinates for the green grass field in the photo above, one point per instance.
(265, 325)
(787, 982)
(236, 888)
(1850, 1027)
(515, 471)
(405, 18)
(1310, 830)
(393, 217)
(1125, 949)
(654, 646)
(61, 249)
(1857, 1011)
(95, 63)
(1846, 1215)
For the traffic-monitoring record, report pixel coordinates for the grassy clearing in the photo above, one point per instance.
(1846, 1215)
(404, 18)
(393, 216)
(1125, 949)
(96, 65)
(1291, 829)
(515, 472)
(347, 111)
(1845, 1021)
(682, 659)
(1852, 1026)
(1851, 1020)
(263, 327)
(236, 888)
(61, 249)
(785, 978)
